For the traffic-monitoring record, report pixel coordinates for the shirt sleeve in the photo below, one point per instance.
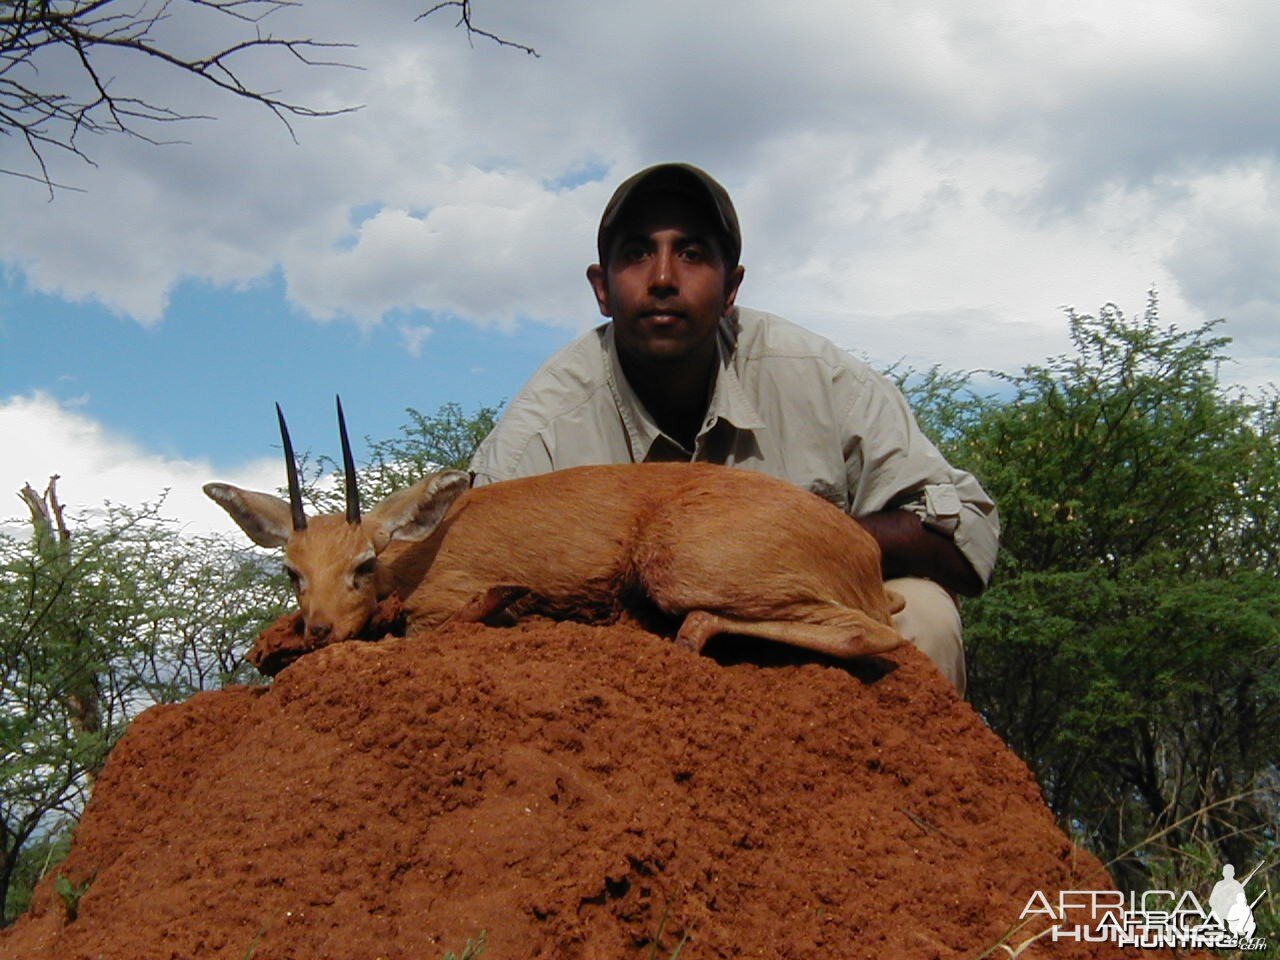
(892, 464)
(566, 397)
(507, 454)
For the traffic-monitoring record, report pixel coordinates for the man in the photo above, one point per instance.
(1225, 894)
(682, 373)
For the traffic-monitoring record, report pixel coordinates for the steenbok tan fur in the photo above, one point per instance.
(714, 549)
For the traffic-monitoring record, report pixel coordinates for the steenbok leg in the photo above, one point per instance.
(839, 632)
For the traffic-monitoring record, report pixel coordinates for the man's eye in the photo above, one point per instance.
(694, 254)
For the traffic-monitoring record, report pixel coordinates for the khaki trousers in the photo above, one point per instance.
(931, 621)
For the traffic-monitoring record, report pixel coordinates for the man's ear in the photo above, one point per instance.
(732, 282)
(598, 277)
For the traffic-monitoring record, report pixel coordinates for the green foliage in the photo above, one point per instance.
(99, 620)
(944, 402)
(1196, 865)
(472, 950)
(33, 862)
(71, 894)
(1125, 450)
(1129, 646)
(443, 440)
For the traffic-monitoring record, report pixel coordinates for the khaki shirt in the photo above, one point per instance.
(786, 402)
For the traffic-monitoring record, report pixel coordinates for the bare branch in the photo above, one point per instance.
(48, 119)
(33, 32)
(464, 20)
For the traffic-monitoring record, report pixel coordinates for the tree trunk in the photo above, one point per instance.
(82, 696)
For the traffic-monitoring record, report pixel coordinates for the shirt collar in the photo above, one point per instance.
(729, 401)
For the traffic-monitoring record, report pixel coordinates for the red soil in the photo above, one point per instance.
(564, 788)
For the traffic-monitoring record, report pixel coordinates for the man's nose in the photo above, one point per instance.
(662, 277)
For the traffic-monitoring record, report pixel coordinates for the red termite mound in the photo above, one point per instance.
(571, 791)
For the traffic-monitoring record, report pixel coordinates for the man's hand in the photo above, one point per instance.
(910, 549)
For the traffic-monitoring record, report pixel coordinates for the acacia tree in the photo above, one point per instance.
(97, 622)
(1129, 647)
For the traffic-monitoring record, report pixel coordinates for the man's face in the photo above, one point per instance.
(666, 284)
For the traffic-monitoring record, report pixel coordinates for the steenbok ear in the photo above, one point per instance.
(266, 519)
(414, 512)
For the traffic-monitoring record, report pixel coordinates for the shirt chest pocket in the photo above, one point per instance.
(802, 466)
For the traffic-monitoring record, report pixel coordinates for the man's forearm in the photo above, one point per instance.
(910, 549)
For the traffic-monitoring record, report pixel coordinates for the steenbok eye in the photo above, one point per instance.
(367, 567)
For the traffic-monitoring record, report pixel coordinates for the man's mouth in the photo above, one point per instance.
(662, 317)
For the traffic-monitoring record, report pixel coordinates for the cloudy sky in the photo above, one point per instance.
(928, 182)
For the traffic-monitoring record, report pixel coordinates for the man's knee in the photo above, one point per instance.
(931, 621)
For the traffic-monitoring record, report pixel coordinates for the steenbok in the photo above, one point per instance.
(713, 549)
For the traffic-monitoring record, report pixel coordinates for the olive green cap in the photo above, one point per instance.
(679, 178)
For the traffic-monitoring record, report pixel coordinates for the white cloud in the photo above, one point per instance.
(1228, 255)
(935, 258)
(946, 175)
(414, 336)
(43, 438)
(481, 254)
